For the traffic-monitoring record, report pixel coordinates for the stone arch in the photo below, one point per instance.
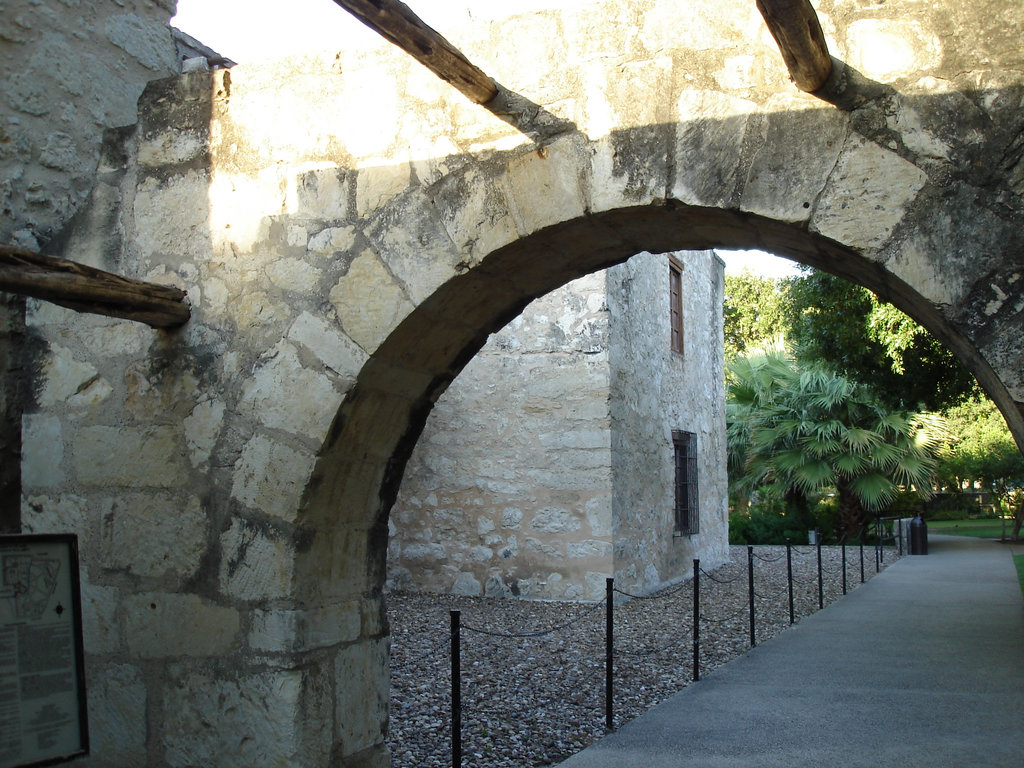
(385, 244)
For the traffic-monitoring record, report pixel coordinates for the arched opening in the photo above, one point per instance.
(357, 476)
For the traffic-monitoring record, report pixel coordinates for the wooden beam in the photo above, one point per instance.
(397, 23)
(87, 289)
(794, 25)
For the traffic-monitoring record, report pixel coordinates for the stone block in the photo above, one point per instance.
(802, 141)
(117, 715)
(588, 548)
(135, 457)
(160, 625)
(414, 245)
(71, 381)
(270, 477)
(369, 301)
(254, 564)
(42, 451)
(475, 211)
(229, 720)
(378, 182)
(100, 629)
(867, 195)
(709, 139)
(286, 631)
(554, 520)
(466, 584)
(170, 147)
(332, 241)
(294, 275)
(155, 535)
(361, 721)
(202, 428)
(547, 184)
(285, 395)
(172, 218)
(333, 348)
(323, 194)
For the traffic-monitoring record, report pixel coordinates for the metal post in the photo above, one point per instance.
(862, 554)
(456, 693)
(844, 562)
(696, 619)
(609, 716)
(750, 590)
(899, 525)
(789, 577)
(821, 588)
(878, 544)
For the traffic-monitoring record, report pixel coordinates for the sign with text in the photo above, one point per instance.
(42, 675)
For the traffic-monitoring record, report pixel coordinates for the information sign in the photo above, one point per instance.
(42, 675)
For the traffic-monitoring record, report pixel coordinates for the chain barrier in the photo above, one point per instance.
(538, 632)
(588, 669)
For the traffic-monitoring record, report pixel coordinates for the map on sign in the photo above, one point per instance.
(33, 580)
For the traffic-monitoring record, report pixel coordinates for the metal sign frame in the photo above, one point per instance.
(43, 717)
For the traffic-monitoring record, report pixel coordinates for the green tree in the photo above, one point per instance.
(754, 312)
(849, 329)
(806, 429)
(983, 453)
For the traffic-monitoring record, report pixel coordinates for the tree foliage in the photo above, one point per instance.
(846, 327)
(754, 312)
(804, 429)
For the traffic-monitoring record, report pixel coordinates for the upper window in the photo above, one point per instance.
(675, 299)
(685, 447)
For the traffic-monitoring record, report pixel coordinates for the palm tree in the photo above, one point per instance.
(807, 429)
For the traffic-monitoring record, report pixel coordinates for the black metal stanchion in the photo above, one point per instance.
(609, 716)
(789, 577)
(862, 554)
(878, 545)
(750, 591)
(844, 562)
(899, 533)
(821, 587)
(456, 693)
(696, 619)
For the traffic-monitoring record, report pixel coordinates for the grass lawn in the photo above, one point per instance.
(982, 529)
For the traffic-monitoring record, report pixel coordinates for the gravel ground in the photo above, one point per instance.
(534, 701)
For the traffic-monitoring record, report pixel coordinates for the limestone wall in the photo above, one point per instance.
(655, 391)
(552, 449)
(71, 71)
(509, 489)
(230, 482)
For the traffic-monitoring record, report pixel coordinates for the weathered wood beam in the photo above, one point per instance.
(794, 25)
(397, 23)
(87, 289)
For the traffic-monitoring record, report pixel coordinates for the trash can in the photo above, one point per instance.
(918, 536)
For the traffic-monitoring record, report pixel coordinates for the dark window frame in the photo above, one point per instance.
(687, 490)
(675, 303)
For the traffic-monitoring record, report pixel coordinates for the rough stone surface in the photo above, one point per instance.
(343, 269)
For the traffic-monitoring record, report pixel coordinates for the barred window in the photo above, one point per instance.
(685, 447)
(675, 300)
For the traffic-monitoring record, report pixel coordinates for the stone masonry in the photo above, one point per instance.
(350, 231)
(547, 466)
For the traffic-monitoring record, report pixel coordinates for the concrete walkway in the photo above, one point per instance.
(921, 666)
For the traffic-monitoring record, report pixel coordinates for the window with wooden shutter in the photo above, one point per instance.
(675, 298)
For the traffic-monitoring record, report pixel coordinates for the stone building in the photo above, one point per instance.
(550, 463)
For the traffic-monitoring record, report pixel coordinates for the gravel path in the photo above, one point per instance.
(534, 701)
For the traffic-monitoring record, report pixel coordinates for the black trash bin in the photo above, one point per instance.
(918, 536)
